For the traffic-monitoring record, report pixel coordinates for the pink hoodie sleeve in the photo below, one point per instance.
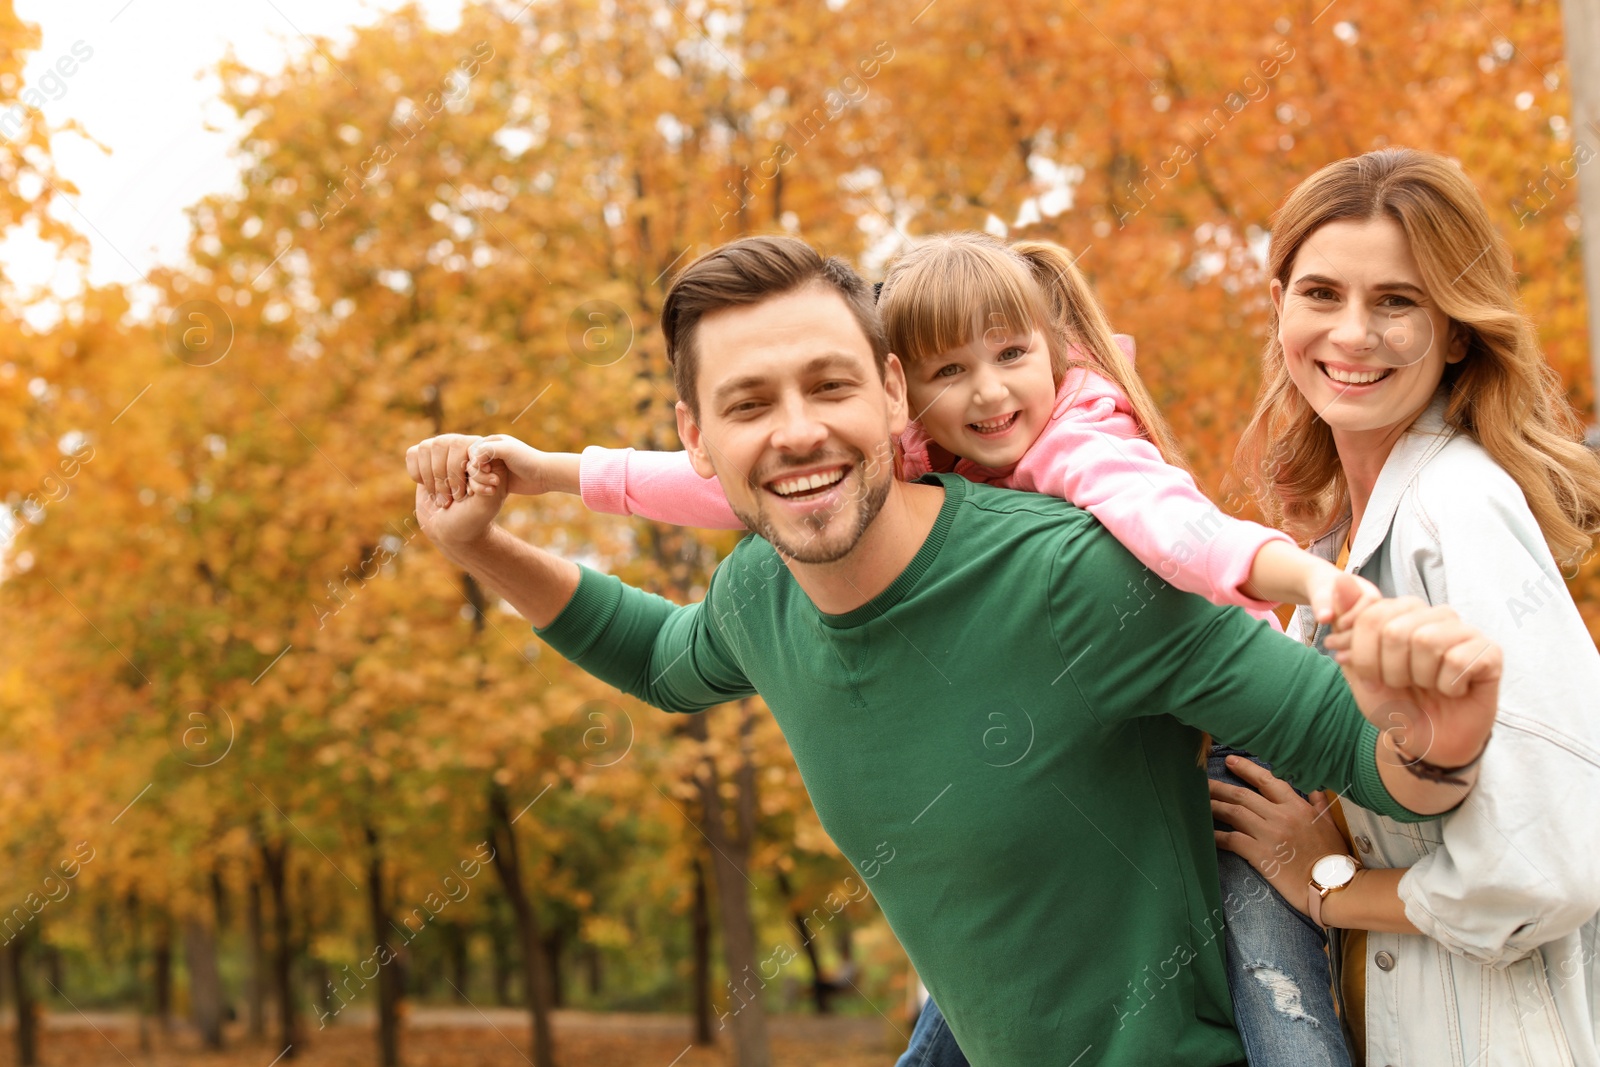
(660, 486)
(1093, 454)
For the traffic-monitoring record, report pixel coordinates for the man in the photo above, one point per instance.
(1057, 893)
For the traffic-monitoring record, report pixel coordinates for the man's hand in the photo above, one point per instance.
(1426, 679)
(449, 515)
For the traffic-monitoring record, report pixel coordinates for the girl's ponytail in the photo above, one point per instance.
(1081, 323)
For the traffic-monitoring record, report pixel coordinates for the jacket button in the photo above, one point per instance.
(1363, 842)
(1384, 960)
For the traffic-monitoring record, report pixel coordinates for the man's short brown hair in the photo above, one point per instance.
(749, 271)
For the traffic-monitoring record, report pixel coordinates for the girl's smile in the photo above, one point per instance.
(988, 400)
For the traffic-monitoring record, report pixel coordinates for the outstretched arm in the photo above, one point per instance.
(663, 653)
(1094, 454)
(660, 486)
(461, 526)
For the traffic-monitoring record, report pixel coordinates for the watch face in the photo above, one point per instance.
(1332, 871)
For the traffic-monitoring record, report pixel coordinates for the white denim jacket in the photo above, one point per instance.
(1506, 887)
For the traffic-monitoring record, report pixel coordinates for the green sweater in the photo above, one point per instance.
(1004, 743)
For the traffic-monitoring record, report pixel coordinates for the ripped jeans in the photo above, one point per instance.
(1278, 969)
(1278, 973)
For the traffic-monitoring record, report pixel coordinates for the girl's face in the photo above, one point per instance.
(1363, 341)
(988, 400)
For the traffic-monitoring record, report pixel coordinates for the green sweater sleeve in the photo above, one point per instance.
(663, 653)
(1152, 649)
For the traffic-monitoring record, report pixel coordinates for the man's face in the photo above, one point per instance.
(795, 422)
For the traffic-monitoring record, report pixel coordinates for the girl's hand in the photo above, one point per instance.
(503, 463)
(1320, 584)
(1279, 834)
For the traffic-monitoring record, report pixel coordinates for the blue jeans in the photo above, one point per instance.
(1278, 970)
(932, 1043)
(1278, 973)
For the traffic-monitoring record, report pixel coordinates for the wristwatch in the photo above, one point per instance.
(1329, 874)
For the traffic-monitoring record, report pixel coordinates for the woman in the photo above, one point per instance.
(1409, 428)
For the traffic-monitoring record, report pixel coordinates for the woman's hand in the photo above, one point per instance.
(1276, 832)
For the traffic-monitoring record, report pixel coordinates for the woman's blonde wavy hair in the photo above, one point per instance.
(947, 289)
(1502, 394)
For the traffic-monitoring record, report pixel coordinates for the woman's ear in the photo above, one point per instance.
(1460, 338)
(694, 442)
(1276, 289)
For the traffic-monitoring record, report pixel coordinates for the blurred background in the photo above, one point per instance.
(276, 783)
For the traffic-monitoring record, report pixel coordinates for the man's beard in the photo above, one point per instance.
(810, 549)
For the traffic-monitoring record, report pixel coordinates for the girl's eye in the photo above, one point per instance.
(949, 370)
(1008, 355)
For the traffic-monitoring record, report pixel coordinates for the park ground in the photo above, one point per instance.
(468, 1038)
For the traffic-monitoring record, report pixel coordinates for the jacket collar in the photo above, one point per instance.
(1422, 440)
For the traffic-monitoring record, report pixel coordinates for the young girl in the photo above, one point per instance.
(1409, 427)
(1015, 378)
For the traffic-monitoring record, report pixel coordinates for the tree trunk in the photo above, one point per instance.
(274, 860)
(701, 936)
(27, 1030)
(205, 983)
(256, 983)
(136, 964)
(808, 941)
(554, 945)
(388, 977)
(730, 866)
(455, 947)
(500, 951)
(534, 968)
(163, 972)
(591, 961)
(1581, 22)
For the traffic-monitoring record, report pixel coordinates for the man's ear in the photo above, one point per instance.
(694, 442)
(894, 386)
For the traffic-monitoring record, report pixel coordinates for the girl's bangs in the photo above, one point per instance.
(946, 299)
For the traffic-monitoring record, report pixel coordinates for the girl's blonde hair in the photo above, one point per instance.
(946, 290)
(1502, 393)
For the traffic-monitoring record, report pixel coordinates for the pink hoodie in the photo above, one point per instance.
(1091, 453)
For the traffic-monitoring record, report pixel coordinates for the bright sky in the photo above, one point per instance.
(146, 93)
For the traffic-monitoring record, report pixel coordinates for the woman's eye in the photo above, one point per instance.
(1320, 293)
(1394, 301)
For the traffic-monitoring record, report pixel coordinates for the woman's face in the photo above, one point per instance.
(1363, 341)
(989, 400)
